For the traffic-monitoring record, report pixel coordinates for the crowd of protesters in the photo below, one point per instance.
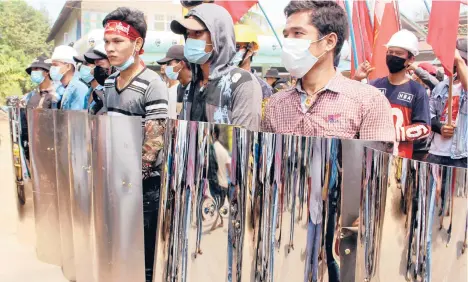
(210, 79)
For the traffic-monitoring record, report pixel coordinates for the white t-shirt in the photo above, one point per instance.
(223, 159)
(441, 146)
(172, 111)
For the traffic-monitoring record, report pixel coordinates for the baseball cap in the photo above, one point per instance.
(80, 58)
(192, 23)
(176, 52)
(96, 53)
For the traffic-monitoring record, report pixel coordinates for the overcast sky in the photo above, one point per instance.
(414, 9)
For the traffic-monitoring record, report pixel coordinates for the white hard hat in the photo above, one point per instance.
(100, 48)
(64, 54)
(405, 39)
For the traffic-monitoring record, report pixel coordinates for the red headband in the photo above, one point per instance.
(122, 29)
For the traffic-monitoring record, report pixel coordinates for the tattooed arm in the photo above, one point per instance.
(156, 107)
(153, 144)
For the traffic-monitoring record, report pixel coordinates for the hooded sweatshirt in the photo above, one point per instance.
(232, 95)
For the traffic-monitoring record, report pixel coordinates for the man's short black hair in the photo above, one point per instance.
(336, 61)
(216, 132)
(193, 3)
(133, 17)
(326, 16)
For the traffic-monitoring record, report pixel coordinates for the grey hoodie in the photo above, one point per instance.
(232, 96)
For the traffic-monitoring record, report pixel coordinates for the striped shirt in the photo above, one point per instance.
(146, 96)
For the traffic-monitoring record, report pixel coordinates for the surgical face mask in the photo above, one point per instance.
(129, 61)
(239, 57)
(55, 73)
(194, 51)
(171, 74)
(101, 74)
(37, 77)
(85, 74)
(395, 64)
(296, 56)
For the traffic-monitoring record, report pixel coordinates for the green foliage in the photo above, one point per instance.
(23, 31)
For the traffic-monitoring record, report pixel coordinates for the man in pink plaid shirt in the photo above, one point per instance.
(324, 103)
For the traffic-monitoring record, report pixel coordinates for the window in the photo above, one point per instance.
(170, 18)
(159, 22)
(100, 18)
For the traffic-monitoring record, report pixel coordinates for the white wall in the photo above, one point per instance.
(70, 27)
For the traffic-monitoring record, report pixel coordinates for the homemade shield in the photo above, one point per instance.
(62, 160)
(46, 209)
(282, 216)
(285, 208)
(413, 223)
(117, 198)
(81, 184)
(194, 213)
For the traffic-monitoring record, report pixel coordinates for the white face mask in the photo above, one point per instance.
(296, 56)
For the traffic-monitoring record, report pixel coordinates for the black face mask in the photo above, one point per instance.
(395, 64)
(101, 74)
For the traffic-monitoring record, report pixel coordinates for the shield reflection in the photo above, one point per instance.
(413, 223)
(269, 209)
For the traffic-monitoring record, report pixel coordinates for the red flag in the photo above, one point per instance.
(383, 31)
(237, 9)
(363, 33)
(443, 31)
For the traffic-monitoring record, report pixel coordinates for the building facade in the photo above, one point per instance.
(80, 23)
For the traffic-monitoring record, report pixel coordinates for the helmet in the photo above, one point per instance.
(405, 39)
(245, 34)
(64, 54)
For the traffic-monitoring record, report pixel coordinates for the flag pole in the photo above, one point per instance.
(427, 6)
(397, 14)
(449, 108)
(370, 15)
(270, 24)
(351, 33)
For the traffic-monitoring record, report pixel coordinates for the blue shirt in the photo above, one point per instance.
(438, 103)
(411, 114)
(75, 96)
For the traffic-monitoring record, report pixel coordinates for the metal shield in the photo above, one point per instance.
(413, 223)
(81, 183)
(117, 198)
(287, 202)
(41, 136)
(283, 213)
(62, 160)
(194, 212)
